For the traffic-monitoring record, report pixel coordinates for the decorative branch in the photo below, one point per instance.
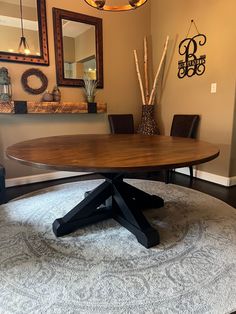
(152, 96)
(146, 71)
(139, 76)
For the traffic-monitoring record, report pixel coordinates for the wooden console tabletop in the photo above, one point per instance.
(23, 107)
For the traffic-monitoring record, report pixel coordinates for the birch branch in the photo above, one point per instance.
(146, 71)
(139, 76)
(152, 96)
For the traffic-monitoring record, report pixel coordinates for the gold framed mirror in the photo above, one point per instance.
(23, 20)
(78, 48)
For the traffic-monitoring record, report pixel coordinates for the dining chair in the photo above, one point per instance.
(183, 125)
(121, 123)
(2, 185)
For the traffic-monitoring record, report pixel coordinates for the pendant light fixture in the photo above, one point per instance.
(23, 45)
(101, 5)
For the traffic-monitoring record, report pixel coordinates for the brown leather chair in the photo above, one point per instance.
(183, 125)
(121, 123)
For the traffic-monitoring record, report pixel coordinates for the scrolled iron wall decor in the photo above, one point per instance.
(188, 47)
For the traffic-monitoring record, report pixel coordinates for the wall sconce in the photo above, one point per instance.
(101, 5)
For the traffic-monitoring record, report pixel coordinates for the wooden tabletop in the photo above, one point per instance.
(112, 153)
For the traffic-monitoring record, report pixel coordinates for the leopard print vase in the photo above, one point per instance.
(148, 124)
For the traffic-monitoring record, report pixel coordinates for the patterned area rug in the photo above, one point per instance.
(103, 269)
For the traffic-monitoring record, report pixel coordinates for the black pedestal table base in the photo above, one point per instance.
(115, 199)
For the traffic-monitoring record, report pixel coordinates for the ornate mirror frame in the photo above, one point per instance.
(43, 59)
(58, 16)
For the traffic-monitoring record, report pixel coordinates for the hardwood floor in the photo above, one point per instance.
(226, 194)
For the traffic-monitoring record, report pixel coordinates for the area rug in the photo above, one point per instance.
(103, 269)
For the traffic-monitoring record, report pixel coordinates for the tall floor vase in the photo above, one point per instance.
(148, 125)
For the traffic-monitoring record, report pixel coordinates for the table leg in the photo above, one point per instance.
(86, 212)
(123, 203)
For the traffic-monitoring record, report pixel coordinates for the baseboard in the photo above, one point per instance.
(226, 181)
(232, 181)
(42, 177)
(207, 176)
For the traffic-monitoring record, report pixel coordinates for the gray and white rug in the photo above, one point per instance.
(103, 269)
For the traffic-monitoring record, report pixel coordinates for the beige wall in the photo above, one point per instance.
(215, 19)
(121, 34)
(85, 45)
(10, 9)
(233, 143)
(68, 49)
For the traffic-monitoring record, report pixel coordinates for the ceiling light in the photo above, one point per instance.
(101, 5)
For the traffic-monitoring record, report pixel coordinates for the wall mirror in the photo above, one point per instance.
(78, 48)
(23, 19)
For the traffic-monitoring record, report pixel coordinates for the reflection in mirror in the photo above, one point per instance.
(23, 21)
(79, 51)
(78, 48)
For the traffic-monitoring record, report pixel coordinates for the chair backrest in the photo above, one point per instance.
(185, 125)
(121, 123)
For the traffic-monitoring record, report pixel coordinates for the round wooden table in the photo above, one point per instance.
(112, 156)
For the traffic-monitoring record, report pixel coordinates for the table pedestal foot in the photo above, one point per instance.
(61, 228)
(147, 237)
(123, 202)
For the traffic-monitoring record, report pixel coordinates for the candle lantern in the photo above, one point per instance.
(5, 85)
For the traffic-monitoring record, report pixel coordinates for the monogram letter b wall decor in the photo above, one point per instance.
(188, 48)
